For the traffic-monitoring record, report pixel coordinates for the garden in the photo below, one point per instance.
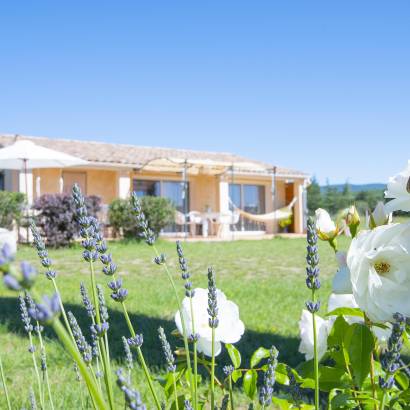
(283, 323)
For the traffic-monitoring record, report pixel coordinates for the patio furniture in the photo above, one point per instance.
(228, 218)
(192, 219)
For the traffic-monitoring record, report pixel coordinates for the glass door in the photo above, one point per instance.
(249, 198)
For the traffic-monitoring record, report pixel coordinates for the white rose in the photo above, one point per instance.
(379, 216)
(379, 264)
(341, 281)
(306, 335)
(325, 226)
(230, 328)
(398, 189)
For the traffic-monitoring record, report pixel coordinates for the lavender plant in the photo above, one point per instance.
(344, 351)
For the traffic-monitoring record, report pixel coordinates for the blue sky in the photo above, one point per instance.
(319, 86)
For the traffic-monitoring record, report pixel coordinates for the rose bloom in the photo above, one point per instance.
(379, 216)
(324, 326)
(230, 328)
(341, 281)
(398, 189)
(326, 228)
(306, 335)
(379, 264)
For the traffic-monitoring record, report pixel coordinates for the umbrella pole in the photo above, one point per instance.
(186, 197)
(274, 190)
(233, 209)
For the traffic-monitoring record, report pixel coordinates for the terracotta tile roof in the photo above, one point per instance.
(136, 156)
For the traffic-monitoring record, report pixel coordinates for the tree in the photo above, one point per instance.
(314, 196)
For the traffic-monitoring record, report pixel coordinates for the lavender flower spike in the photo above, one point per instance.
(212, 300)
(86, 300)
(47, 310)
(83, 347)
(266, 391)
(128, 354)
(132, 396)
(189, 292)
(166, 348)
(312, 269)
(142, 222)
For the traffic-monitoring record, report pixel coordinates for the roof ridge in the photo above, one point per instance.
(144, 151)
(121, 144)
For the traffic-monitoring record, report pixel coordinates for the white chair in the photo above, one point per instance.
(227, 219)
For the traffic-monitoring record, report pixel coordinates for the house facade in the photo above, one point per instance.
(201, 183)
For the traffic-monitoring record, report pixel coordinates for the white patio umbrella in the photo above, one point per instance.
(25, 154)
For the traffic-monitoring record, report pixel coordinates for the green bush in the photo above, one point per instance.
(159, 212)
(11, 208)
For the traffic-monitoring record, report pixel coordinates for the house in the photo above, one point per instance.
(203, 183)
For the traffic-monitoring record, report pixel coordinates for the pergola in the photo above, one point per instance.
(206, 167)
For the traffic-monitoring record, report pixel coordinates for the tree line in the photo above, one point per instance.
(334, 199)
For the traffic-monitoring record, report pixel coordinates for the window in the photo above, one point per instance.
(147, 188)
(2, 181)
(173, 190)
(250, 198)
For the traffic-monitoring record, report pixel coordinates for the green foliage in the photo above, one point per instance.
(159, 212)
(11, 206)
(334, 200)
(234, 355)
(314, 196)
(250, 380)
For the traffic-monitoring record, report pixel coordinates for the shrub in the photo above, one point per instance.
(11, 207)
(159, 212)
(56, 217)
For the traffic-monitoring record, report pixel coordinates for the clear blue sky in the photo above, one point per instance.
(322, 86)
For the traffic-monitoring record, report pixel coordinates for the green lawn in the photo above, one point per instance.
(265, 278)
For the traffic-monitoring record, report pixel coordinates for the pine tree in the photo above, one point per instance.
(314, 196)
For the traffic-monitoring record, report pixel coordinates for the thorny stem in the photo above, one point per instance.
(3, 379)
(141, 358)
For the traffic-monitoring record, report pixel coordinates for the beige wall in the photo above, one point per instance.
(204, 189)
(102, 183)
(99, 182)
(204, 193)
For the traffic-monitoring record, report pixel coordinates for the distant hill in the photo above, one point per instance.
(358, 187)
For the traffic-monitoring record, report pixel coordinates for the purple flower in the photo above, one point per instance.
(137, 340)
(46, 311)
(120, 295)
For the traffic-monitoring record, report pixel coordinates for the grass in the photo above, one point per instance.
(265, 278)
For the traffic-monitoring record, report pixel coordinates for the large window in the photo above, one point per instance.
(250, 198)
(173, 190)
